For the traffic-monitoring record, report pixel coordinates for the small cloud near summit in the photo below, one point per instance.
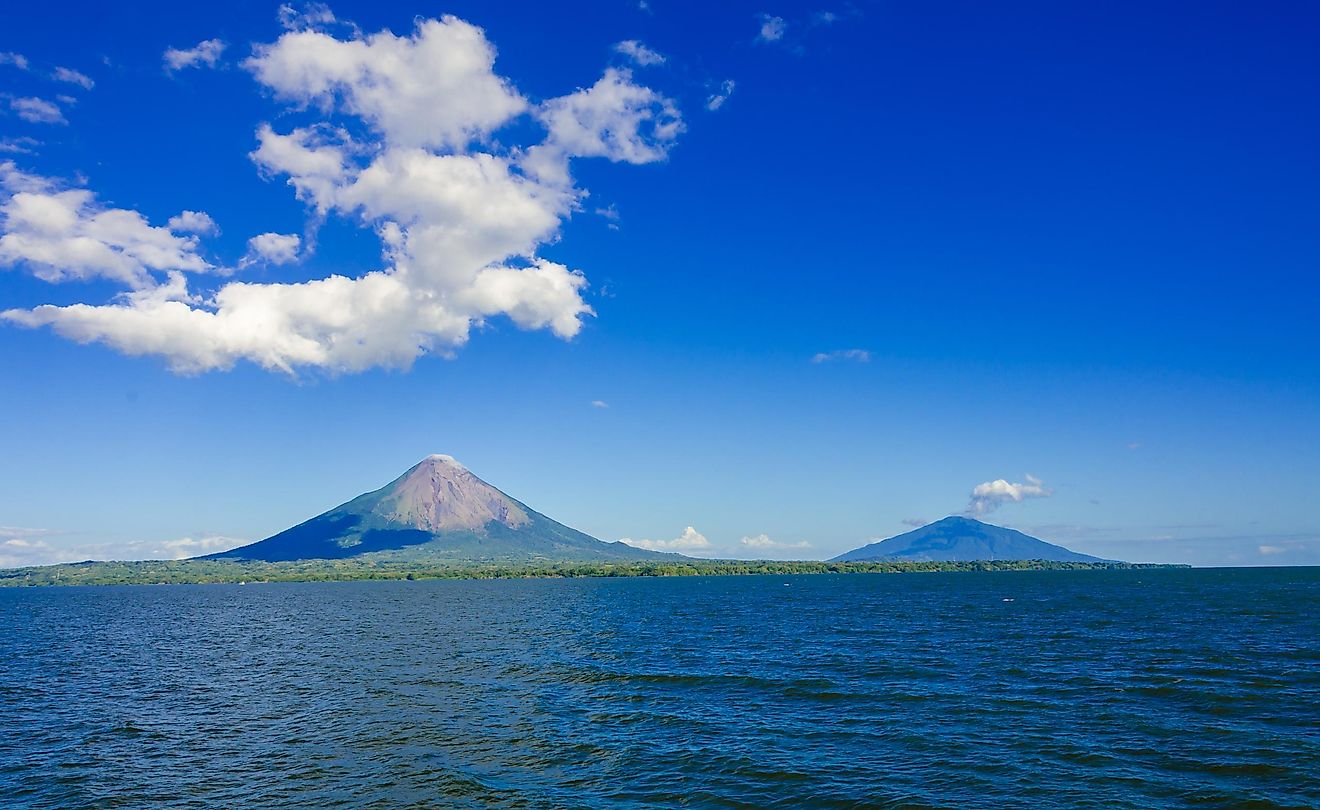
(989, 496)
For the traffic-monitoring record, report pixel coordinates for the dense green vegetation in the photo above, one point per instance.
(179, 572)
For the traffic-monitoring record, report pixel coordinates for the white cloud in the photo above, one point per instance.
(639, 53)
(308, 15)
(915, 523)
(1287, 550)
(63, 235)
(335, 322)
(989, 496)
(435, 88)
(198, 222)
(63, 74)
(763, 541)
(599, 403)
(536, 297)
(37, 110)
(772, 28)
(20, 552)
(272, 248)
(316, 159)
(856, 355)
(18, 146)
(205, 53)
(614, 119)
(690, 540)
(611, 216)
(716, 100)
(460, 218)
(18, 60)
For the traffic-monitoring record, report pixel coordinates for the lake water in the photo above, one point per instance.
(1170, 688)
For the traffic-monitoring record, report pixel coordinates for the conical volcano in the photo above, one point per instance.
(436, 511)
(963, 539)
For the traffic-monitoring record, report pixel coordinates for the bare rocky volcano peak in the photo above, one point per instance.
(440, 494)
(436, 511)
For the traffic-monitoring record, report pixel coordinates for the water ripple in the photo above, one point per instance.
(995, 690)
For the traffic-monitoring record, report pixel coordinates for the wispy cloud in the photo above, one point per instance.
(856, 355)
(18, 60)
(305, 16)
(37, 110)
(772, 28)
(599, 403)
(716, 99)
(611, 215)
(63, 74)
(639, 53)
(205, 53)
(19, 146)
(21, 531)
(32, 548)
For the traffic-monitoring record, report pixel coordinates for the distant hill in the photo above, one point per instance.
(438, 511)
(963, 539)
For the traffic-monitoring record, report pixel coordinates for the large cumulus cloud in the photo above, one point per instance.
(401, 142)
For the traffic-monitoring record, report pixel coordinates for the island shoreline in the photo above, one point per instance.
(217, 572)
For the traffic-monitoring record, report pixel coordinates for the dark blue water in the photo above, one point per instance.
(1087, 689)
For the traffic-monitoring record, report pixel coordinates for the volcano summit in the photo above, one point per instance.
(437, 511)
(963, 539)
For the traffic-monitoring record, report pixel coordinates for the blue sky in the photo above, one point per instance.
(793, 276)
